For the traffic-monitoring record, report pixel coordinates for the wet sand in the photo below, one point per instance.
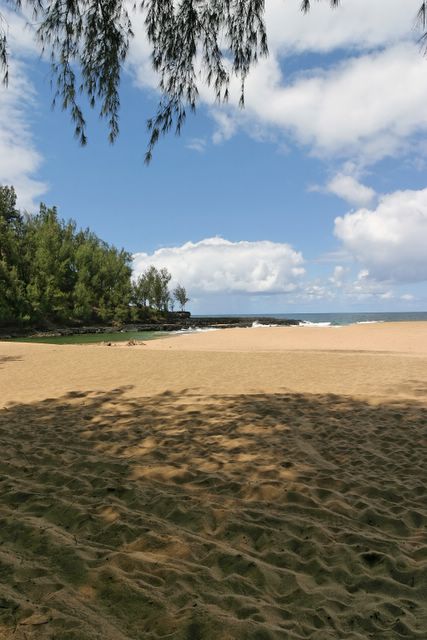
(241, 484)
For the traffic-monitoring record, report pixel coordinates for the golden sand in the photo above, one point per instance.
(239, 484)
(392, 337)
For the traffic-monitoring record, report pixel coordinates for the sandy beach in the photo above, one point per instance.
(240, 484)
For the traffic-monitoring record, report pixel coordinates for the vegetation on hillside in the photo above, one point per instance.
(51, 273)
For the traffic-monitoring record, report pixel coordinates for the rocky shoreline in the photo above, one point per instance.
(180, 323)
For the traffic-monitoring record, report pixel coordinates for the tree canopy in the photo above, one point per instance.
(88, 43)
(151, 289)
(51, 273)
(180, 295)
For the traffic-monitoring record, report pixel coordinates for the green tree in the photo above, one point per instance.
(151, 289)
(13, 305)
(161, 290)
(143, 288)
(8, 211)
(103, 286)
(180, 295)
(50, 255)
(50, 273)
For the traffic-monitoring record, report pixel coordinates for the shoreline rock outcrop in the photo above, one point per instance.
(173, 322)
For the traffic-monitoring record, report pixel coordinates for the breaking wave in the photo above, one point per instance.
(306, 323)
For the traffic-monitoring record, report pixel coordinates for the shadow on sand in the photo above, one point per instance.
(4, 360)
(236, 517)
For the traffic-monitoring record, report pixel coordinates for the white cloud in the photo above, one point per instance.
(364, 107)
(216, 265)
(361, 24)
(357, 25)
(226, 126)
(197, 144)
(365, 103)
(262, 276)
(366, 288)
(389, 241)
(19, 32)
(19, 158)
(338, 275)
(139, 57)
(361, 288)
(343, 288)
(350, 189)
(313, 291)
(340, 255)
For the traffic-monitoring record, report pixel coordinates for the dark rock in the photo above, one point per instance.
(176, 321)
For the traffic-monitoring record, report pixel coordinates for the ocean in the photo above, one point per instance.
(307, 319)
(342, 319)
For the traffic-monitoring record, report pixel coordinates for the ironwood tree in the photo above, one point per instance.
(88, 43)
(180, 295)
(52, 273)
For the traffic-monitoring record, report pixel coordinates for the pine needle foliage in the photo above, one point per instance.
(52, 273)
(191, 41)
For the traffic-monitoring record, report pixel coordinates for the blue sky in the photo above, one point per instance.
(314, 198)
